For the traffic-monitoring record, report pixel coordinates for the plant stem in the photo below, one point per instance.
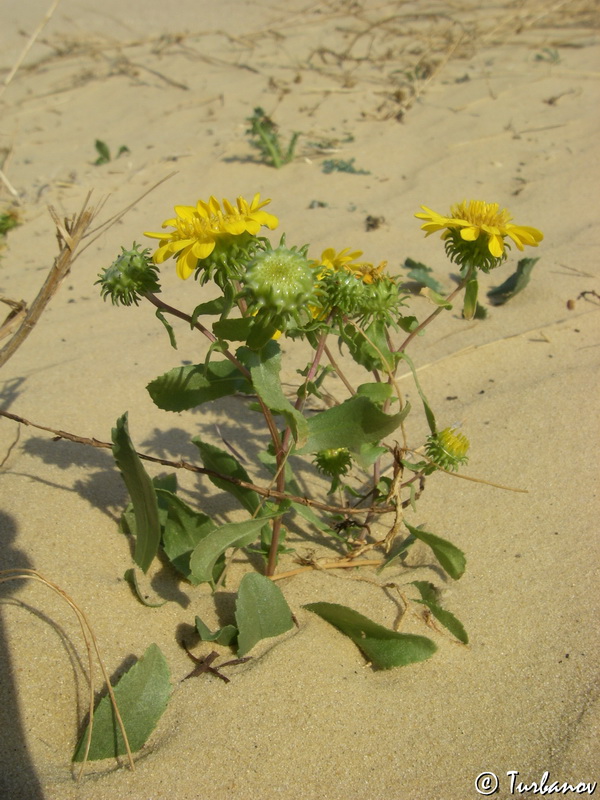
(431, 317)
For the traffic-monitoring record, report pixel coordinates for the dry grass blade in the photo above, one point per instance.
(29, 45)
(90, 640)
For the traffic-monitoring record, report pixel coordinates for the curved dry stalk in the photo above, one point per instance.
(267, 493)
(70, 235)
(90, 639)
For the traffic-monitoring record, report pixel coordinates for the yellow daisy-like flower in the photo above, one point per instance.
(199, 228)
(480, 222)
(335, 261)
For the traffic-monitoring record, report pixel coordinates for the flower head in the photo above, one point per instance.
(355, 289)
(448, 448)
(131, 275)
(475, 233)
(280, 281)
(206, 228)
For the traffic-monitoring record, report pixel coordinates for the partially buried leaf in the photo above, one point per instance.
(448, 620)
(421, 274)
(141, 694)
(261, 611)
(514, 284)
(225, 635)
(131, 577)
(383, 647)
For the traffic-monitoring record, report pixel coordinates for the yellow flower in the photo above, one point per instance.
(335, 261)
(345, 260)
(477, 219)
(199, 228)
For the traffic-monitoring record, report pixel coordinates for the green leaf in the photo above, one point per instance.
(436, 298)
(514, 284)
(142, 694)
(168, 327)
(225, 635)
(142, 493)
(233, 330)
(131, 577)
(376, 392)
(427, 408)
(122, 150)
(356, 423)
(448, 620)
(213, 308)
(189, 386)
(383, 647)
(223, 462)
(233, 534)
(422, 274)
(450, 557)
(261, 611)
(183, 529)
(167, 482)
(103, 152)
(264, 367)
(371, 350)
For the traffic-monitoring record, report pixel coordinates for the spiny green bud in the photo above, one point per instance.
(280, 280)
(448, 448)
(334, 462)
(131, 275)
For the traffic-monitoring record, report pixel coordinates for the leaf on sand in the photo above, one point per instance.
(261, 611)
(142, 494)
(141, 694)
(450, 557)
(225, 635)
(448, 620)
(381, 646)
(514, 284)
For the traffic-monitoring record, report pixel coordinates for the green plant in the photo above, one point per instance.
(339, 165)
(372, 469)
(104, 155)
(264, 136)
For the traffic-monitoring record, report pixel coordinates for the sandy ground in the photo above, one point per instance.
(437, 102)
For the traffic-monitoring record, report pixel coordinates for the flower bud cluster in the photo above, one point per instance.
(129, 277)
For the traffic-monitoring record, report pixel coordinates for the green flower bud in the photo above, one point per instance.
(131, 275)
(334, 462)
(448, 448)
(281, 281)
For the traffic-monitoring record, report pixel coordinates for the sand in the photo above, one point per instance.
(437, 103)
